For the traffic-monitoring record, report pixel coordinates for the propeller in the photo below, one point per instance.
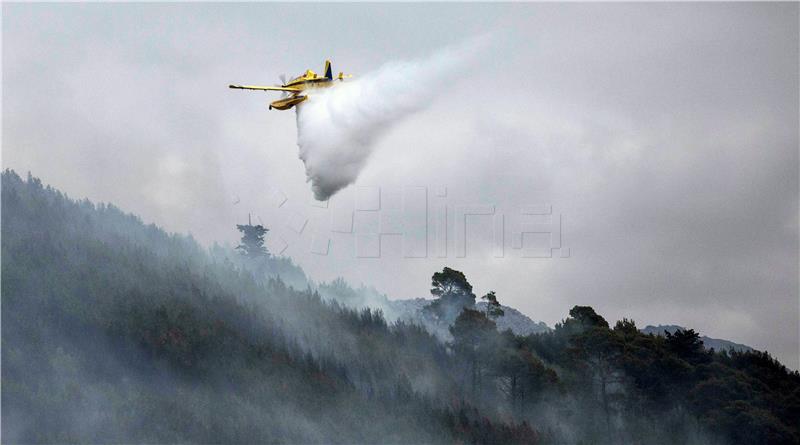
(282, 78)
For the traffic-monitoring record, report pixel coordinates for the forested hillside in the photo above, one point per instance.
(115, 331)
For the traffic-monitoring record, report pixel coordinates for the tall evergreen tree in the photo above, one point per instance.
(493, 307)
(474, 340)
(252, 243)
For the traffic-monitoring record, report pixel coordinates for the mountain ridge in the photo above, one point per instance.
(710, 343)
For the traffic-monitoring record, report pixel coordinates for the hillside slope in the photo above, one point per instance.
(115, 331)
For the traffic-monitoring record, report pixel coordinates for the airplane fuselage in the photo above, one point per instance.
(297, 86)
(307, 81)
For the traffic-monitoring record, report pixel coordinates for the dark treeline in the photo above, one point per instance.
(115, 331)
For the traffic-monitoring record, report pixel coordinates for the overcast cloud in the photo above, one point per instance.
(665, 135)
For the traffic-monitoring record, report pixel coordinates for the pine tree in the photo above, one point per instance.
(252, 243)
(493, 307)
(454, 294)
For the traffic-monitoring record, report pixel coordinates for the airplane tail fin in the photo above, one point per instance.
(328, 70)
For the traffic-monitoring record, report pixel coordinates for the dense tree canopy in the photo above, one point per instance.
(115, 331)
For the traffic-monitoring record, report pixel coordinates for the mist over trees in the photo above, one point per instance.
(116, 331)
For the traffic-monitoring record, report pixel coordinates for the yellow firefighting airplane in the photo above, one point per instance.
(292, 89)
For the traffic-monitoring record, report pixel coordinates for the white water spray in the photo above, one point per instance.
(337, 127)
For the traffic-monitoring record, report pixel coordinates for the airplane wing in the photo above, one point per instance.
(260, 88)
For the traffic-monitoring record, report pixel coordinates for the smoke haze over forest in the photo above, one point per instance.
(116, 331)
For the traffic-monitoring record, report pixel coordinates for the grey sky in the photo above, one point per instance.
(666, 135)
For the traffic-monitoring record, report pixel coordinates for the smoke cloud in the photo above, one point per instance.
(337, 127)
